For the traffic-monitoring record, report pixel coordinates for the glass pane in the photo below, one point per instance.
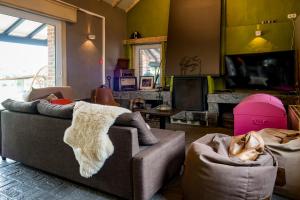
(23, 66)
(25, 28)
(42, 35)
(150, 59)
(6, 21)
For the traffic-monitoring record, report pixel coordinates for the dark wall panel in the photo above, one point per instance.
(194, 37)
(115, 34)
(297, 48)
(83, 68)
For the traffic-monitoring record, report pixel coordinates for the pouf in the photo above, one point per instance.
(288, 156)
(257, 112)
(210, 174)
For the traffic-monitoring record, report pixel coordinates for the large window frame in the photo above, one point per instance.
(60, 39)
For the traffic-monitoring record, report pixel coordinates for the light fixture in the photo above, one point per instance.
(91, 37)
(258, 32)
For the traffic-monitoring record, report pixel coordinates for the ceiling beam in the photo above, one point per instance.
(115, 3)
(13, 26)
(22, 40)
(132, 5)
(36, 31)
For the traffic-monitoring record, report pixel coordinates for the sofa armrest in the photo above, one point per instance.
(0, 132)
(125, 140)
(156, 165)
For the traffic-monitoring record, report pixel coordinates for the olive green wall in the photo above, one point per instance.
(240, 19)
(243, 16)
(149, 17)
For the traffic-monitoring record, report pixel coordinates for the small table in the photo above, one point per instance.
(163, 115)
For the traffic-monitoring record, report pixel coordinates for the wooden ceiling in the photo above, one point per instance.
(126, 5)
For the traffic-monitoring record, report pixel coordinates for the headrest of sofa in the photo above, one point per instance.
(34, 94)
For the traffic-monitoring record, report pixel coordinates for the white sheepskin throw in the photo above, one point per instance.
(88, 135)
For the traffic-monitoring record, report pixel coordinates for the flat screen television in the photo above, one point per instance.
(267, 71)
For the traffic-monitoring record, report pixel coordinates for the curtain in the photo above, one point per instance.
(129, 54)
(163, 63)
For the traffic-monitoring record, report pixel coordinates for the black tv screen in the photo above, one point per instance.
(271, 71)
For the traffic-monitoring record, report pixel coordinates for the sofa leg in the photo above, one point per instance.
(3, 158)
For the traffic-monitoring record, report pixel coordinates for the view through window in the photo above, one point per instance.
(27, 56)
(148, 61)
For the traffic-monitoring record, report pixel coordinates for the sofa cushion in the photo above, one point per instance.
(67, 92)
(51, 96)
(19, 106)
(136, 120)
(54, 110)
(61, 101)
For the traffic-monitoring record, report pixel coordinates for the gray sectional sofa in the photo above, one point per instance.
(132, 172)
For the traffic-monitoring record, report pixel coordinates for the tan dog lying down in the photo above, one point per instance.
(247, 147)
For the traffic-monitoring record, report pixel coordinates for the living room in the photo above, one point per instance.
(149, 99)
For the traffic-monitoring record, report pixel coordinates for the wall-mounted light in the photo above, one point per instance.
(91, 37)
(258, 32)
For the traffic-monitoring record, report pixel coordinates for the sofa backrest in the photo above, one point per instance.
(34, 94)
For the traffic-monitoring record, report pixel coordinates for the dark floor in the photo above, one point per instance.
(21, 182)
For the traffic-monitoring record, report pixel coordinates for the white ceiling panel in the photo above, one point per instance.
(6, 21)
(123, 4)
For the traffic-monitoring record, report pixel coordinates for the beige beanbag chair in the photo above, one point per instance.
(285, 146)
(211, 174)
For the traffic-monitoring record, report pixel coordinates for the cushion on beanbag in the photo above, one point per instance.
(53, 110)
(136, 120)
(19, 106)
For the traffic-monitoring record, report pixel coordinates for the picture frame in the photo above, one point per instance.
(146, 82)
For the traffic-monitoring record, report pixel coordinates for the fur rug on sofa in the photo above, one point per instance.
(88, 135)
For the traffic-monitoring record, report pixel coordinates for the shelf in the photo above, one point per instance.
(146, 40)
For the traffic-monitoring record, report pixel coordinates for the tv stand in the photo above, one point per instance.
(214, 100)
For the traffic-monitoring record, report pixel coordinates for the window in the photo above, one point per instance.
(30, 52)
(148, 61)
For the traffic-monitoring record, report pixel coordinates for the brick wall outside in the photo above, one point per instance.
(51, 57)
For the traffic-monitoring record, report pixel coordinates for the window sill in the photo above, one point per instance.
(146, 40)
